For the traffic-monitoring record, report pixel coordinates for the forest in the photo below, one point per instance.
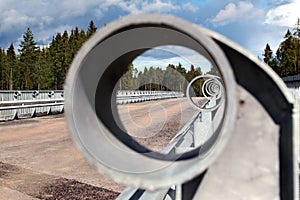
(31, 67)
(286, 59)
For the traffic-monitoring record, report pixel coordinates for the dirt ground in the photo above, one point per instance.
(38, 159)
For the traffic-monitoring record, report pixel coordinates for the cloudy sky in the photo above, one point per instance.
(250, 23)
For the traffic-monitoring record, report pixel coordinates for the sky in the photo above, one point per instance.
(250, 23)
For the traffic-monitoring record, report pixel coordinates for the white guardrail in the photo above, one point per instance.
(195, 133)
(31, 103)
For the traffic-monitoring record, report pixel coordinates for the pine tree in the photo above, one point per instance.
(45, 79)
(286, 55)
(288, 34)
(28, 58)
(128, 81)
(59, 60)
(74, 43)
(296, 34)
(91, 29)
(191, 74)
(268, 54)
(82, 38)
(2, 68)
(269, 59)
(12, 64)
(67, 50)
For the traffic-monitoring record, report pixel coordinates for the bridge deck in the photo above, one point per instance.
(38, 155)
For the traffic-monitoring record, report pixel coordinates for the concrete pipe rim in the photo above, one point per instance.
(175, 172)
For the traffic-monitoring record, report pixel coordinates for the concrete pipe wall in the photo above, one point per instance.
(258, 122)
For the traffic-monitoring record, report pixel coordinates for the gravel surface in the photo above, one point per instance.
(43, 186)
(39, 159)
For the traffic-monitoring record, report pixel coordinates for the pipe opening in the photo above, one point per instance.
(93, 102)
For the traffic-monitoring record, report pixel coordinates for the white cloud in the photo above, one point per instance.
(284, 15)
(183, 55)
(45, 35)
(76, 8)
(190, 7)
(46, 16)
(141, 6)
(158, 6)
(236, 12)
(10, 20)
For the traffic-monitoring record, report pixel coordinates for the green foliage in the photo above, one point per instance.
(287, 56)
(28, 58)
(173, 78)
(46, 76)
(91, 29)
(128, 80)
(36, 68)
(12, 66)
(286, 62)
(3, 69)
(46, 68)
(268, 54)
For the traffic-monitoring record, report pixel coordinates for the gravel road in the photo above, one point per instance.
(38, 159)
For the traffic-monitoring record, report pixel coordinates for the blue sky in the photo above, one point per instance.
(250, 23)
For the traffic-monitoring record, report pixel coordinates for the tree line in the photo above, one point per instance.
(286, 60)
(46, 68)
(35, 68)
(172, 78)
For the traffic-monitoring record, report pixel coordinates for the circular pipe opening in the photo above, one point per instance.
(91, 109)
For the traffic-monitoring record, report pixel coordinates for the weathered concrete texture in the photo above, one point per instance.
(248, 169)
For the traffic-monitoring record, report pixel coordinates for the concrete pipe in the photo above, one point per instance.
(91, 101)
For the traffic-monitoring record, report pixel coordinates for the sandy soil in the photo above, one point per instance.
(39, 160)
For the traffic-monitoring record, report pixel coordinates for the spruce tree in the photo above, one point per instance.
(269, 59)
(91, 29)
(12, 64)
(5, 71)
(268, 54)
(2, 69)
(45, 73)
(66, 49)
(59, 61)
(28, 58)
(82, 38)
(287, 55)
(74, 44)
(296, 34)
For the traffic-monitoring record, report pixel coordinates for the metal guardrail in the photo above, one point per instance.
(30, 103)
(293, 83)
(295, 93)
(195, 133)
(134, 96)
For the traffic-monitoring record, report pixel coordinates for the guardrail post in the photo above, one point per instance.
(17, 96)
(50, 95)
(202, 128)
(35, 94)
